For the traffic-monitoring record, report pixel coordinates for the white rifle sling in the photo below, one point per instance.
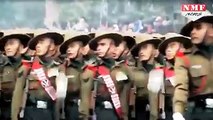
(61, 83)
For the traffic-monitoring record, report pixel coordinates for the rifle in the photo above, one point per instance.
(25, 92)
(162, 94)
(62, 80)
(132, 98)
(93, 97)
(24, 100)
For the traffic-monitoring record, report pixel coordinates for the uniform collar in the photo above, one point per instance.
(26, 57)
(202, 50)
(151, 65)
(108, 62)
(117, 63)
(14, 61)
(79, 64)
(46, 61)
(90, 60)
(169, 65)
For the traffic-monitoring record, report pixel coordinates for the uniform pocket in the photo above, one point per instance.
(198, 71)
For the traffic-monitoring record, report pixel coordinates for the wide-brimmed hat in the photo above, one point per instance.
(206, 17)
(1, 34)
(24, 38)
(72, 37)
(172, 37)
(116, 37)
(158, 35)
(186, 30)
(55, 36)
(129, 38)
(92, 35)
(143, 39)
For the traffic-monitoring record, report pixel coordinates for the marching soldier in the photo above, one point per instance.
(193, 74)
(172, 44)
(12, 44)
(73, 69)
(107, 101)
(37, 80)
(121, 55)
(146, 51)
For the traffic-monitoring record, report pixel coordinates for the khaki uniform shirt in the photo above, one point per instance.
(35, 90)
(193, 74)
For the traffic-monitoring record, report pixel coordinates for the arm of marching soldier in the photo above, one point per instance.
(18, 92)
(181, 86)
(123, 88)
(139, 79)
(85, 93)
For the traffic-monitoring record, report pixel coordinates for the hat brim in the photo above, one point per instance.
(130, 41)
(206, 19)
(24, 39)
(92, 35)
(186, 30)
(81, 38)
(1, 34)
(114, 36)
(185, 41)
(56, 37)
(137, 47)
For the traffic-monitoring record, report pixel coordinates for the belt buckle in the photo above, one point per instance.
(41, 104)
(209, 102)
(107, 105)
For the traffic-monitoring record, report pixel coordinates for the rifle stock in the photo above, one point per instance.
(26, 89)
(93, 99)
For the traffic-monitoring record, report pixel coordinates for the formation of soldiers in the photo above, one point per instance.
(106, 75)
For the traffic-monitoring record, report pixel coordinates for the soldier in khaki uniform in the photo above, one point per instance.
(12, 44)
(107, 103)
(38, 80)
(172, 45)
(146, 51)
(73, 69)
(122, 57)
(103, 44)
(193, 74)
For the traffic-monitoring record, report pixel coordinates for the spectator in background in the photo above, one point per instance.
(167, 24)
(115, 27)
(124, 28)
(158, 25)
(138, 26)
(130, 27)
(82, 25)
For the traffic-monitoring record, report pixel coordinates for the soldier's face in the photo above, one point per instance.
(12, 47)
(73, 50)
(120, 50)
(146, 52)
(105, 48)
(209, 35)
(86, 50)
(43, 46)
(198, 32)
(171, 50)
